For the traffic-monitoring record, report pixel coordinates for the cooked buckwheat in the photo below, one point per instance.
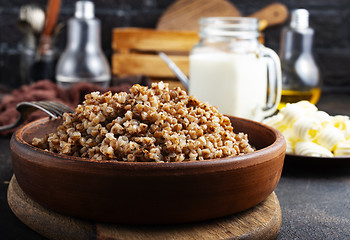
(155, 124)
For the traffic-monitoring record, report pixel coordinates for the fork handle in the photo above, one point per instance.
(22, 117)
(12, 125)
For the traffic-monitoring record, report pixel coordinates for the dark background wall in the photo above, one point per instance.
(329, 18)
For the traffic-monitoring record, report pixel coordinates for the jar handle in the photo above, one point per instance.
(274, 80)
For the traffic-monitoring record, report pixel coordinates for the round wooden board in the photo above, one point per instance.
(260, 222)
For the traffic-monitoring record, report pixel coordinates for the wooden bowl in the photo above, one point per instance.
(148, 193)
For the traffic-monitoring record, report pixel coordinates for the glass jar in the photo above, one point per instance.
(300, 75)
(83, 59)
(231, 70)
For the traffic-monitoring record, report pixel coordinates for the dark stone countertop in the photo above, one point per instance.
(315, 202)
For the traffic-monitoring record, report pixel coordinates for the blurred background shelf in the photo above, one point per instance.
(328, 18)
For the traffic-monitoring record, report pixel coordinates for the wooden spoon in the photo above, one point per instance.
(51, 16)
(43, 67)
(52, 11)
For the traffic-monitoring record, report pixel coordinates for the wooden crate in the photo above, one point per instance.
(135, 52)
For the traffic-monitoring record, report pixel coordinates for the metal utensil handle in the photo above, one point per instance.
(175, 69)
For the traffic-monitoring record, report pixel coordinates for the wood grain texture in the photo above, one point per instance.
(261, 222)
(141, 39)
(185, 15)
(147, 64)
(135, 51)
(273, 14)
(51, 16)
(148, 192)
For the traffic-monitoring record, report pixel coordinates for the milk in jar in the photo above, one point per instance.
(231, 70)
(235, 83)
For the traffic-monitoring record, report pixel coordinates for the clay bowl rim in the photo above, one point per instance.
(239, 161)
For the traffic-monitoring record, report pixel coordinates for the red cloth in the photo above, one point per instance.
(47, 90)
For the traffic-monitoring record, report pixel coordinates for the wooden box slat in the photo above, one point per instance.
(146, 64)
(153, 40)
(135, 51)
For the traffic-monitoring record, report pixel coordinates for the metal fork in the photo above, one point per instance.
(52, 108)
